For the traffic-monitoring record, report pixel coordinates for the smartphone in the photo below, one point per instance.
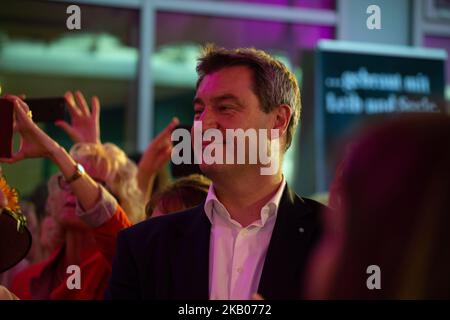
(6, 128)
(47, 109)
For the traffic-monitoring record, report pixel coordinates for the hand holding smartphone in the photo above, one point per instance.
(43, 110)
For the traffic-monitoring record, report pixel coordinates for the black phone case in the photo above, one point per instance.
(6, 128)
(47, 109)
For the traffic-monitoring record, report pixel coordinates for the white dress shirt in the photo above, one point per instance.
(237, 254)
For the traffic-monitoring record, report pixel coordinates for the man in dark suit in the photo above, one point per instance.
(253, 234)
(167, 257)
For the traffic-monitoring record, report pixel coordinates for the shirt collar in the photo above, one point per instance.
(212, 204)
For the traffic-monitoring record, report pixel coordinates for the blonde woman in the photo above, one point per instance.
(84, 127)
(121, 174)
(82, 185)
(79, 246)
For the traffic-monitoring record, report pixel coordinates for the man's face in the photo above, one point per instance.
(225, 100)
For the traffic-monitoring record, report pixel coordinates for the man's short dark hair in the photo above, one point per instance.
(274, 84)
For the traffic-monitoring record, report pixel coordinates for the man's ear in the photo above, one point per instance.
(282, 117)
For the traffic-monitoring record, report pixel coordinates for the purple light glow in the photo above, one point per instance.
(228, 32)
(441, 43)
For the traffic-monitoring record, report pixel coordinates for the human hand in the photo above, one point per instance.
(85, 124)
(159, 150)
(34, 143)
(155, 157)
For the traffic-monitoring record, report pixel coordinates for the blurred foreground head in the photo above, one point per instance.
(394, 212)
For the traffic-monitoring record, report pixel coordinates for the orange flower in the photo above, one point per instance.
(12, 197)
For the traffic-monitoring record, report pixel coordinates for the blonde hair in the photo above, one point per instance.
(118, 172)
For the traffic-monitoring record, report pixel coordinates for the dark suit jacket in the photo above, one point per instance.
(168, 257)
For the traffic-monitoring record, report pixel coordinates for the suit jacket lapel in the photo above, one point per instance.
(288, 250)
(190, 258)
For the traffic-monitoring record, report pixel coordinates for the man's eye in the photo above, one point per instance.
(224, 108)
